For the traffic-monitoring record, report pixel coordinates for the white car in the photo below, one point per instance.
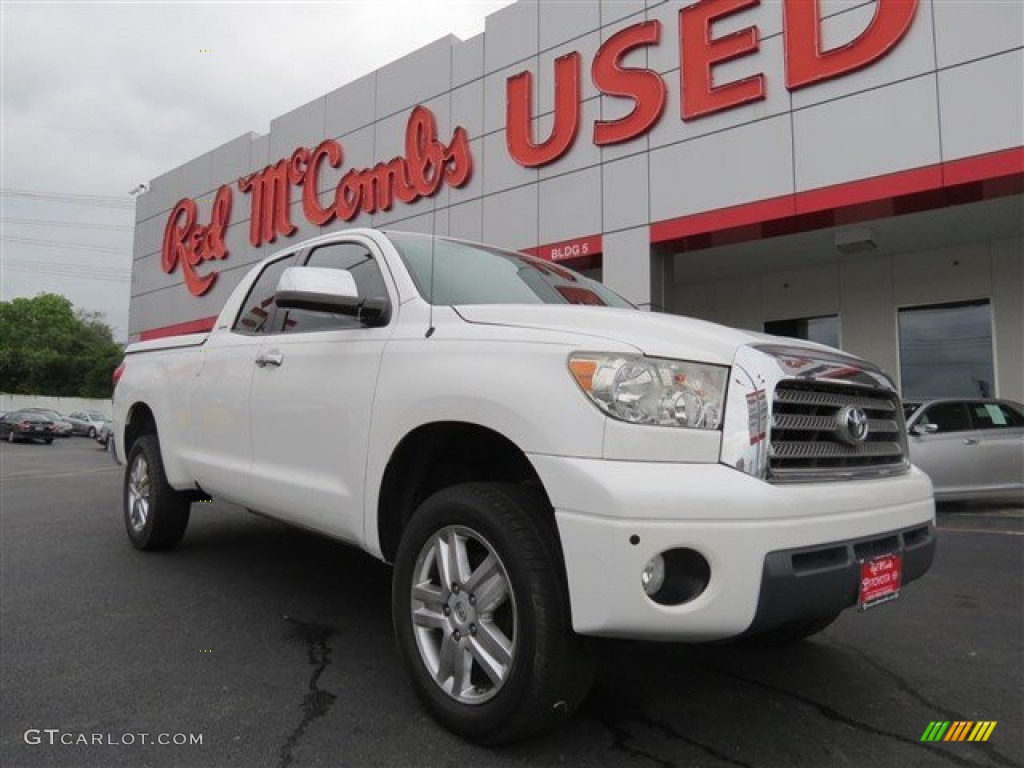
(540, 460)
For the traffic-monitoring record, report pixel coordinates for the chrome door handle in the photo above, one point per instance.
(270, 358)
(970, 441)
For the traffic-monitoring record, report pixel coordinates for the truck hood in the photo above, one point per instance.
(654, 334)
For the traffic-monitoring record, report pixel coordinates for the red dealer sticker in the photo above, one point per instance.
(880, 580)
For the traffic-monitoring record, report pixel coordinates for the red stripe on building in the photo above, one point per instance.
(201, 325)
(935, 186)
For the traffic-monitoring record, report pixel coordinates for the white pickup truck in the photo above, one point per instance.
(538, 459)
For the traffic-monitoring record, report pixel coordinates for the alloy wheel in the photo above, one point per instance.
(464, 614)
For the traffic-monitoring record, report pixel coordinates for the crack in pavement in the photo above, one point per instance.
(912, 692)
(612, 717)
(315, 703)
(835, 715)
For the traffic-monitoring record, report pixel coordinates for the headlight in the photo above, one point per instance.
(648, 390)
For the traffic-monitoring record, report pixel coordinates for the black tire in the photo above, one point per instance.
(155, 515)
(48, 440)
(794, 631)
(550, 668)
(92, 433)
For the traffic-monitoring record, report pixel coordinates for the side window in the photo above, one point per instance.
(364, 269)
(948, 417)
(995, 416)
(257, 311)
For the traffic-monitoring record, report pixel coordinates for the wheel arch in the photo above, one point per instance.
(139, 421)
(438, 455)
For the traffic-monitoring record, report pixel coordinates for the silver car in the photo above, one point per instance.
(87, 422)
(971, 448)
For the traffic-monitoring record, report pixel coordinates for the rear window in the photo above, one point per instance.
(30, 417)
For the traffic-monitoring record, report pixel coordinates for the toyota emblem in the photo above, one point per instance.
(853, 425)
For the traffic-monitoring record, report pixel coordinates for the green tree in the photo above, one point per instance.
(47, 348)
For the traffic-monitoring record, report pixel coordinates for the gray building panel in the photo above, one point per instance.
(465, 220)
(722, 170)
(468, 60)
(570, 206)
(415, 78)
(468, 107)
(501, 172)
(868, 134)
(474, 187)
(964, 34)
(964, 106)
(351, 107)
(619, 10)
(302, 127)
(232, 161)
(510, 218)
(624, 199)
(562, 21)
(511, 35)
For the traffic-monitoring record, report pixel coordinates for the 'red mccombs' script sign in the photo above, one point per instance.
(426, 165)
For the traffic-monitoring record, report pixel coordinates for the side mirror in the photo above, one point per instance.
(319, 289)
(924, 429)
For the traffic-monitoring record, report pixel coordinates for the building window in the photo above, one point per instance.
(946, 350)
(822, 330)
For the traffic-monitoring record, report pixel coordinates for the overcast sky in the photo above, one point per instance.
(98, 97)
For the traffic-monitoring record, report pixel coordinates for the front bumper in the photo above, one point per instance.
(614, 516)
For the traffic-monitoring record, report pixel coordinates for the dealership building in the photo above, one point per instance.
(850, 172)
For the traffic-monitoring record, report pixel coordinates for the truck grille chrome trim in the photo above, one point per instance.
(804, 415)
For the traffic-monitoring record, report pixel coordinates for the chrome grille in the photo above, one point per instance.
(808, 440)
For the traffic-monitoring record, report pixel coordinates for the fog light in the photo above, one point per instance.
(653, 576)
(676, 576)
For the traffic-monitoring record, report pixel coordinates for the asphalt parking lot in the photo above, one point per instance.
(276, 648)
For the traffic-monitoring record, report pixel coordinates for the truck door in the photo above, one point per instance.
(311, 402)
(220, 453)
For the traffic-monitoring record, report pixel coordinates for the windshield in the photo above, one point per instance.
(467, 273)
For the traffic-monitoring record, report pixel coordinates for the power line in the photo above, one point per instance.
(82, 129)
(59, 244)
(47, 263)
(78, 274)
(97, 201)
(67, 224)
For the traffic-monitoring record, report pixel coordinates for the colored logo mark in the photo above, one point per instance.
(960, 730)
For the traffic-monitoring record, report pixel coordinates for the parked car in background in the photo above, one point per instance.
(103, 437)
(971, 448)
(25, 425)
(64, 428)
(87, 422)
